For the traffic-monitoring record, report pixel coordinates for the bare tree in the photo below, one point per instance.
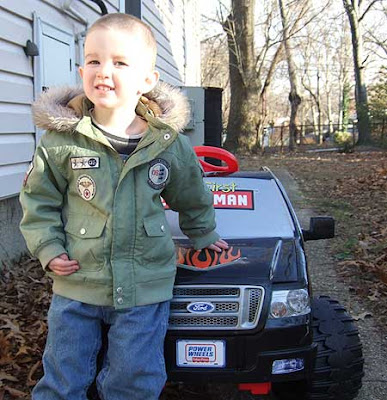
(294, 97)
(321, 56)
(243, 117)
(344, 61)
(356, 10)
(256, 46)
(311, 72)
(375, 33)
(251, 71)
(214, 68)
(252, 68)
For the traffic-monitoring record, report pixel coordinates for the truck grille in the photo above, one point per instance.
(235, 307)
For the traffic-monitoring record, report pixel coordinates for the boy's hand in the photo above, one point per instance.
(218, 246)
(61, 265)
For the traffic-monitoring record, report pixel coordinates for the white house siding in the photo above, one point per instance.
(17, 132)
(175, 24)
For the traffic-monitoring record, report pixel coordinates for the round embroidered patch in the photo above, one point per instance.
(158, 173)
(86, 187)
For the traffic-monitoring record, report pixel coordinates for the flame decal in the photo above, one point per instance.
(204, 259)
(180, 255)
(210, 258)
(228, 256)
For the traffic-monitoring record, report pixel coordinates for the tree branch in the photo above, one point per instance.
(373, 2)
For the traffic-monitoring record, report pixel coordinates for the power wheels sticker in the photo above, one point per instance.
(86, 187)
(158, 173)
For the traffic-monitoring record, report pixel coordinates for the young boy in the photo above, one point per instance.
(94, 218)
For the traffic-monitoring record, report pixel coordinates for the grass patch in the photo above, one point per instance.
(339, 209)
(347, 249)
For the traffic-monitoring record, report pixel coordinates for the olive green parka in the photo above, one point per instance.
(80, 198)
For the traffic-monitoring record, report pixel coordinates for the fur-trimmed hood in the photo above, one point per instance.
(61, 108)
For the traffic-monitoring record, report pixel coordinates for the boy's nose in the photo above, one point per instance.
(104, 72)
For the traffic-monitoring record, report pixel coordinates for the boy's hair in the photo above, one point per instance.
(129, 23)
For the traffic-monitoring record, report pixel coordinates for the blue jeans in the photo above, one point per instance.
(134, 367)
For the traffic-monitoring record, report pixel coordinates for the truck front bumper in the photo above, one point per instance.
(248, 357)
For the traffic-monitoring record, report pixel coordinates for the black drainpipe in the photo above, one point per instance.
(101, 5)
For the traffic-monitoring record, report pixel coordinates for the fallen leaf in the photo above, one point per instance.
(14, 392)
(30, 381)
(13, 326)
(362, 316)
(374, 296)
(7, 377)
(23, 350)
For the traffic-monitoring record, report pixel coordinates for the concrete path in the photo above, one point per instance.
(325, 281)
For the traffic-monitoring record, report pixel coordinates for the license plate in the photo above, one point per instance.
(201, 353)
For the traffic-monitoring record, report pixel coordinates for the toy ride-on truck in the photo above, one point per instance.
(247, 315)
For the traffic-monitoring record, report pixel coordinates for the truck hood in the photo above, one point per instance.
(248, 261)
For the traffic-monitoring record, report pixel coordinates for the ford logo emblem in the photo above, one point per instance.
(200, 307)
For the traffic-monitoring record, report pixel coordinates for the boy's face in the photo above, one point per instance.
(117, 68)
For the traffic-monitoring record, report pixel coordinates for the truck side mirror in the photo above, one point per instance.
(320, 228)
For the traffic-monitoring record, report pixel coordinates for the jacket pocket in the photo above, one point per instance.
(158, 244)
(84, 240)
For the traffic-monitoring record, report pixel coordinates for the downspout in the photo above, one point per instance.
(101, 6)
(67, 7)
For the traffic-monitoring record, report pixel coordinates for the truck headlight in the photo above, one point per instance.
(289, 303)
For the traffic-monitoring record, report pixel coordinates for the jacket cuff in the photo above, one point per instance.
(50, 251)
(200, 242)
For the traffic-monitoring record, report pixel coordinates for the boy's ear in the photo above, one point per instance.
(80, 70)
(151, 81)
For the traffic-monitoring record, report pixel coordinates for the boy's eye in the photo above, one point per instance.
(120, 63)
(94, 62)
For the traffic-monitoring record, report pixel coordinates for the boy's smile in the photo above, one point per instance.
(117, 70)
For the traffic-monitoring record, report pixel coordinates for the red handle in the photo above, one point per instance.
(220, 154)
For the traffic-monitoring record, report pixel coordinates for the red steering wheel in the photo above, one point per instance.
(220, 154)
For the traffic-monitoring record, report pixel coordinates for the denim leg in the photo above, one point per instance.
(135, 367)
(69, 359)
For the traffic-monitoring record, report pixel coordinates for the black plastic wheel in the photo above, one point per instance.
(338, 369)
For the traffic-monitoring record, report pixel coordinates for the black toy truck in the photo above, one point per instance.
(247, 315)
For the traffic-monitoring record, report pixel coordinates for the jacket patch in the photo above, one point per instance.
(86, 187)
(158, 173)
(84, 162)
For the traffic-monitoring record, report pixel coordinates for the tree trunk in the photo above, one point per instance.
(345, 106)
(328, 93)
(294, 98)
(245, 100)
(329, 111)
(314, 116)
(318, 104)
(352, 10)
(344, 87)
